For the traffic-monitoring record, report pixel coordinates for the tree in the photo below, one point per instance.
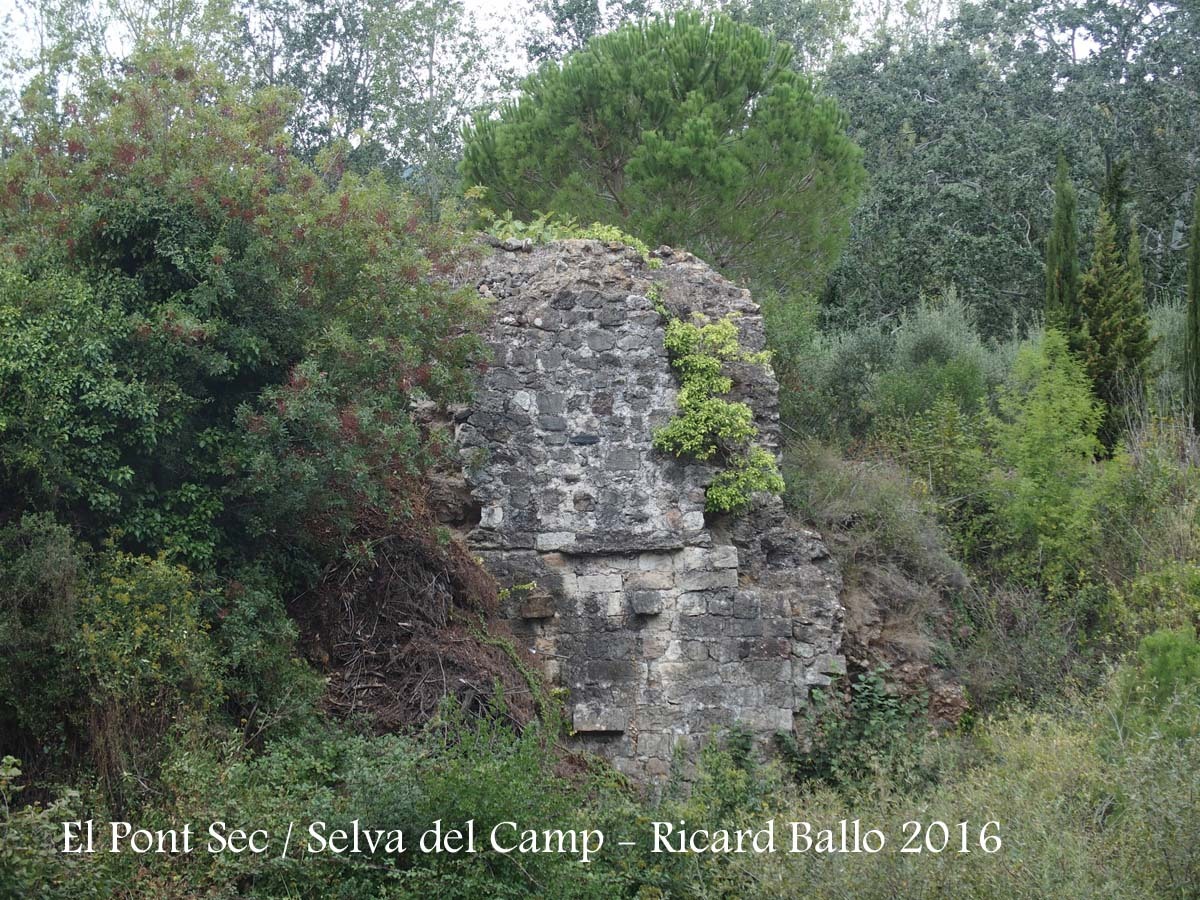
(1062, 259)
(685, 130)
(1192, 347)
(817, 30)
(568, 25)
(1047, 440)
(1115, 331)
(396, 79)
(209, 344)
(959, 132)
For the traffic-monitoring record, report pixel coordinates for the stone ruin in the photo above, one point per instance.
(663, 623)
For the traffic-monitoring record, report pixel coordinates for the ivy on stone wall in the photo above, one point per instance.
(708, 425)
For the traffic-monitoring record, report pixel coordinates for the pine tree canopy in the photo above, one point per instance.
(687, 130)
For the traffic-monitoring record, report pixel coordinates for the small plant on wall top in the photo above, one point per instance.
(546, 227)
(709, 426)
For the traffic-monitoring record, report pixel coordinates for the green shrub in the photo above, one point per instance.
(946, 450)
(1169, 662)
(827, 392)
(145, 658)
(41, 568)
(546, 227)
(1047, 439)
(707, 424)
(142, 391)
(1168, 330)
(871, 736)
(874, 502)
(1013, 645)
(938, 354)
(31, 864)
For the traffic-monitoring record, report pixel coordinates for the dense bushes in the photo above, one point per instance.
(197, 421)
(1095, 797)
(210, 354)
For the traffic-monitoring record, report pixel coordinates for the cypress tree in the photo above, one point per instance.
(1191, 359)
(1115, 196)
(1114, 339)
(1062, 259)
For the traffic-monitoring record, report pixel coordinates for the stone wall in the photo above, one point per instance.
(664, 624)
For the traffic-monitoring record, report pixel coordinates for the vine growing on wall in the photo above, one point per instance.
(709, 426)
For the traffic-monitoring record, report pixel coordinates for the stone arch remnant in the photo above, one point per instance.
(664, 624)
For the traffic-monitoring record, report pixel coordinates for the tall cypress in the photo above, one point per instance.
(1062, 258)
(1191, 363)
(1114, 340)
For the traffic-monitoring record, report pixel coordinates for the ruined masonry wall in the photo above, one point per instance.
(662, 624)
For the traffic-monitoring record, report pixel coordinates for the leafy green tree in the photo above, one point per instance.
(1047, 437)
(689, 131)
(1114, 336)
(141, 388)
(1062, 258)
(569, 24)
(1192, 346)
(960, 130)
(394, 79)
(818, 30)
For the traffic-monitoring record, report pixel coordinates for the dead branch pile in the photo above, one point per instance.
(404, 629)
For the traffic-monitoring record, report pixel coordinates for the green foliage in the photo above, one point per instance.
(1168, 361)
(937, 353)
(40, 571)
(708, 425)
(145, 661)
(545, 227)
(211, 354)
(141, 638)
(830, 398)
(1169, 663)
(732, 488)
(69, 407)
(871, 736)
(1191, 370)
(31, 864)
(1063, 310)
(170, 392)
(960, 128)
(846, 385)
(944, 448)
(1115, 342)
(1048, 438)
(684, 130)
(875, 501)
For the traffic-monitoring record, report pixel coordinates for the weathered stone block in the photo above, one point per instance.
(723, 557)
(651, 581)
(646, 603)
(554, 540)
(539, 604)
(707, 581)
(598, 584)
(587, 717)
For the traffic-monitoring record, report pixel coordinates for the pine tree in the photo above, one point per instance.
(689, 130)
(1115, 338)
(1062, 259)
(1191, 364)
